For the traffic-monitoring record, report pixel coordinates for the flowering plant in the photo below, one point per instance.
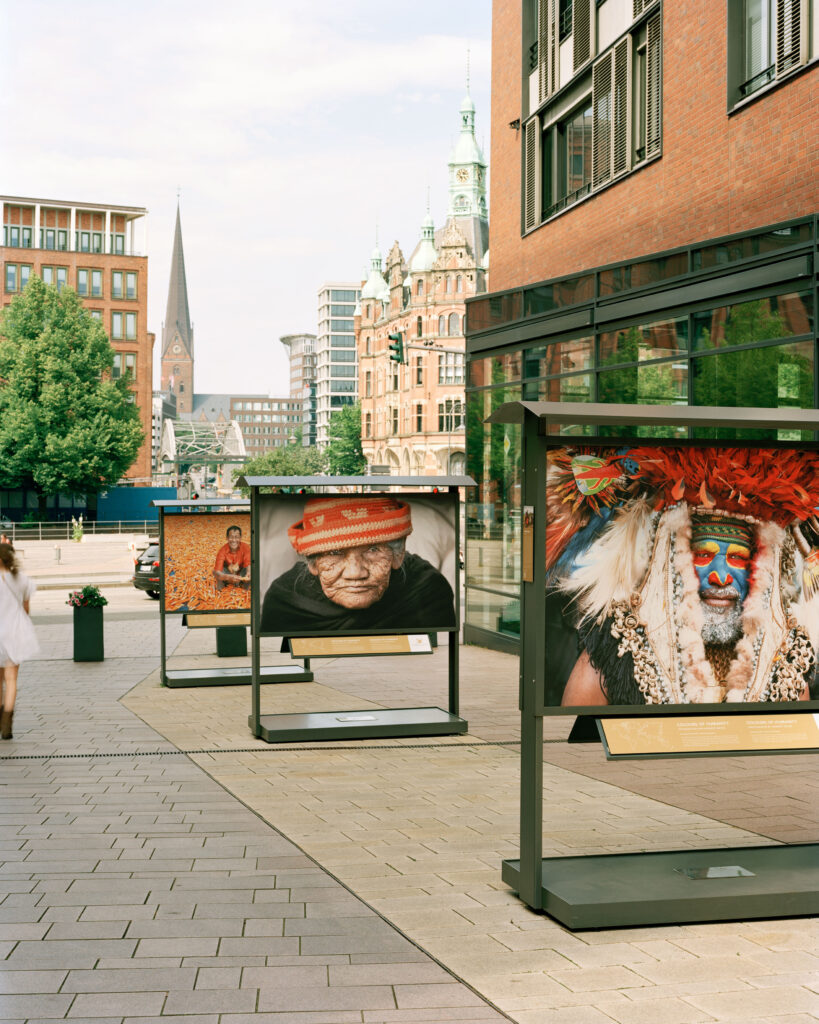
(76, 528)
(88, 597)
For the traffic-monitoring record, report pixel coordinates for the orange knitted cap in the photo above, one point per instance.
(333, 523)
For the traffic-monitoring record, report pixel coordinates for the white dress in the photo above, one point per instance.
(18, 641)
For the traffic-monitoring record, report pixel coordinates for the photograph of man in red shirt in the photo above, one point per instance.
(232, 568)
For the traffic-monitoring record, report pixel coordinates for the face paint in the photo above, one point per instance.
(721, 564)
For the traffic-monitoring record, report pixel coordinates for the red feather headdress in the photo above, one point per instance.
(766, 484)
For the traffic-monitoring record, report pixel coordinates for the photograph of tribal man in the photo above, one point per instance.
(356, 564)
(682, 575)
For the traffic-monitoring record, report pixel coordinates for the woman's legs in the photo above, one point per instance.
(9, 694)
(9, 686)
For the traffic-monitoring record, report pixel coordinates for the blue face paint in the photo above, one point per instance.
(722, 563)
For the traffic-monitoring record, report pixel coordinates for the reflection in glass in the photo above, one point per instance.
(779, 316)
(493, 612)
(559, 357)
(644, 341)
(776, 376)
(655, 384)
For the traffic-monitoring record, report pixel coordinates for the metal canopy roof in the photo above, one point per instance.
(201, 441)
(602, 414)
(359, 481)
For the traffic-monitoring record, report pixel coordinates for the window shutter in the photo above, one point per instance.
(530, 143)
(640, 6)
(621, 149)
(601, 120)
(547, 48)
(791, 35)
(581, 32)
(654, 79)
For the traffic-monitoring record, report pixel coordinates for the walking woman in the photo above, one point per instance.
(18, 641)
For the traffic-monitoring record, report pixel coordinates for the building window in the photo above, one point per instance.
(62, 277)
(459, 283)
(419, 327)
(12, 236)
(96, 284)
(567, 160)
(451, 368)
(116, 326)
(47, 275)
(368, 384)
(96, 314)
(62, 240)
(368, 347)
(82, 282)
(565, 20)
(83, 241)
(26, 239)
(395, 420)
(419, 418)
(419, 287)
(442, 326)
(454, 325)
(118, 244)
(419, 370)
(448, 284)
(116, 284)
(368, 425)
(96, 241)
(124, 365)
(450, 415)
(131, 326)
(618, 125)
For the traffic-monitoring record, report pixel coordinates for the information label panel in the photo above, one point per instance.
(358, 646)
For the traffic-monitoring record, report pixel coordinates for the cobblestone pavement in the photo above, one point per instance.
(159, 862)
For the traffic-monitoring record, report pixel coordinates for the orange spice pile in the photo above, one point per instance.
(191, 546)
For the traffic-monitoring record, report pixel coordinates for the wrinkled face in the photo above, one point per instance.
(356, 578)
(234, 539)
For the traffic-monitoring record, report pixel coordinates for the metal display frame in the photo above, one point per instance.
(374, 722)
(639, 888)
(216, 676)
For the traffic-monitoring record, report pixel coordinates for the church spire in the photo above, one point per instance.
(177, 329)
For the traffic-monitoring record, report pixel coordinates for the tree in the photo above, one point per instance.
(345, 456)
(288, 460)
(65, 425)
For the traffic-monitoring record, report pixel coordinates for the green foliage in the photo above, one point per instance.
(89, 597)
(289, 460)
(65, 425)
(345, 456)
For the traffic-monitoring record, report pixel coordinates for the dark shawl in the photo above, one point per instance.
(418, 598)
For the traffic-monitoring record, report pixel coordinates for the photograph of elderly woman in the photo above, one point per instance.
(352, 563)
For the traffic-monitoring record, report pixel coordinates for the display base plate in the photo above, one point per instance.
(354, 725)
(235, 676)
(635, 889)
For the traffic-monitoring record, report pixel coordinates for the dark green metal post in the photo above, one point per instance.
(532, 665)
(255, 614)
(163, 654)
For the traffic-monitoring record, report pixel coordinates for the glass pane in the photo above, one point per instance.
(494, 506)
(559, 357)
(636, 275)
(776, 376)
(644, 341)
(494, 370)
(751, 245)
(780, 316)
(543, 298)
(494, 309)
(658, 384)
(575, 388)
(493, 612)
(578, 141)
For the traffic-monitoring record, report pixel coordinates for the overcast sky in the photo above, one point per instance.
(291, 127)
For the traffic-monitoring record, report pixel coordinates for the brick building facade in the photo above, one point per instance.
(654, 229)
(98, 251)
(412, 412)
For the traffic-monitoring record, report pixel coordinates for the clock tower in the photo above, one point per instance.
(467, 169)
(177, 331)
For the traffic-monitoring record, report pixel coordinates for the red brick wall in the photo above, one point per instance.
(717, 175)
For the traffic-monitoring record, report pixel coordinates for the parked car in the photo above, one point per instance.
(146, 571)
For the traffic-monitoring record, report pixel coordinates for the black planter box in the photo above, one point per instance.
(231, 641)
(88, 635)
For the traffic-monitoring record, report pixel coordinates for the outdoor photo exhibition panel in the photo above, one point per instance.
(204, 570)
(669, 601)
(343, 567)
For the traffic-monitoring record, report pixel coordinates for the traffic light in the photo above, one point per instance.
(397, 348)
